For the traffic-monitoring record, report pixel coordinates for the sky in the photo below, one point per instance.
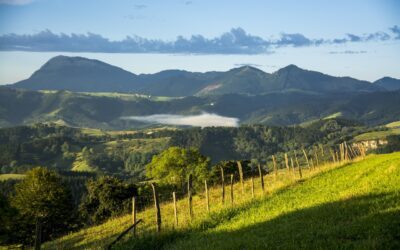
(358, 38)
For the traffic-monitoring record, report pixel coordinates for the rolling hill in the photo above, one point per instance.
(105, 110)
(86, 75)
(343, 206)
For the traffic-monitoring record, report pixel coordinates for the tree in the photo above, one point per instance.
(174, 165)
(106, 197)
(42, 198)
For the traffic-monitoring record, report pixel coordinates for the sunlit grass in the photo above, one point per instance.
(377, 134)
(101, 235)
(356, 206)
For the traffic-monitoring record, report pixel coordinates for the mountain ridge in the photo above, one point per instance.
(80, 74)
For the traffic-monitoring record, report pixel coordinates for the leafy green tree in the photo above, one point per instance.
(174, 165)
(107, 197)
(42, 198)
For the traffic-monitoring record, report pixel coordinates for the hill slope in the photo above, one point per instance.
(86, 75)
(356, 206)
(351, 206)
(105, 110)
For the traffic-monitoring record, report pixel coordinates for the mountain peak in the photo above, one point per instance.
(76, 61)
(388, 83)
(290, 67)
(245, 69)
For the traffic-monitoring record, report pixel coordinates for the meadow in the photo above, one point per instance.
(348, 204)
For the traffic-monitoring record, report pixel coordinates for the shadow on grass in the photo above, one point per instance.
(364, 222)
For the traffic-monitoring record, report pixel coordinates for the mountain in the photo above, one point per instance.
(78, 74)
(85, 75)
(293, 77)
(105, 110)
(388, 83)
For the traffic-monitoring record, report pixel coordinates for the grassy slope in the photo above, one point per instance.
(395, 124)
(355, 206)
(377, 134)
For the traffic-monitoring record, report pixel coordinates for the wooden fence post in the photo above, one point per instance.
(298, 165)
(287, 163)
(190, 199)
(223, 185)
(157, 207)
(231, 189)
(305, 155)
(333, 156)
(207, 198)
(275, 169)
(337, 156)
(292, 164)
(134, 214)
(316, 158)
(252, 187)
(240, 168)
(261, 177)
(342, 152)
(175, 209)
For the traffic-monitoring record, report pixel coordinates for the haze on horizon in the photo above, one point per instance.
(357, 38)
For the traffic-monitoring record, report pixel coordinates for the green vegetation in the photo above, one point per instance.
(104, 169)
(72, 149)
(395, 124)
(347, 207)
(174, 165)
(106, 197)
(376, 135)
(22, 107)
(40, 199)
(343, 206)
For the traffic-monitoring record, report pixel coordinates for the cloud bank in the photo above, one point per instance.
(202, 120)
(236, 41)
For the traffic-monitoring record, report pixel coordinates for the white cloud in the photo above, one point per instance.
(202, 120)
(16, 2)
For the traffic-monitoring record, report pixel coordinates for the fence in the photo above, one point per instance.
(182, 209)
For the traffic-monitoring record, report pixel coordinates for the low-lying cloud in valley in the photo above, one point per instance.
(202, 120)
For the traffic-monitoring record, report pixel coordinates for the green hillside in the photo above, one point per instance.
(105, 110)
(355, 205)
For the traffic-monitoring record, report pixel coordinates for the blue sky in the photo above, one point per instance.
(354, 38)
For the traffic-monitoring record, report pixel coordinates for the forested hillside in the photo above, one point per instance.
(108, 110)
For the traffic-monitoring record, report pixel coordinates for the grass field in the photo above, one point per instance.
(355, 205)
(377, 134)
(393, 124)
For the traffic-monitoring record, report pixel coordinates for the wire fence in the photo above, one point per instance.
(182, 209)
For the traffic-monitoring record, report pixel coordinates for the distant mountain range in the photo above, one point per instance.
(80, 74)
(88, 93)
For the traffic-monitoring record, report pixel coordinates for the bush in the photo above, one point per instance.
(107, 197)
